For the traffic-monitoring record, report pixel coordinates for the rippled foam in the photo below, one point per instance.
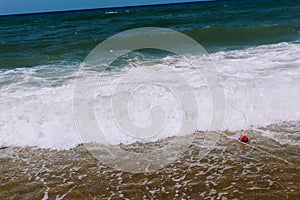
(261, 85)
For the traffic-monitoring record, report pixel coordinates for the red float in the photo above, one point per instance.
(243, 138)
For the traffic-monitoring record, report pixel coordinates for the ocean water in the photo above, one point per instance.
(254, 45)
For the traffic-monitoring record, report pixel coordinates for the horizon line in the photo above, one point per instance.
(110, 8)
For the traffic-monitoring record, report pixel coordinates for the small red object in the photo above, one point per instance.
(243, 138)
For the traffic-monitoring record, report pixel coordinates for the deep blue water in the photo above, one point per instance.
(67, 37)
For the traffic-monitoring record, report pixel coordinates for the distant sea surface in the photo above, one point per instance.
(255, 46)
(43, 39)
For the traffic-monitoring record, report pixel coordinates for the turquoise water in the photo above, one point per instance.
(67, 37)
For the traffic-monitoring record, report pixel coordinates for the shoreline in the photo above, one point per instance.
(230, 170)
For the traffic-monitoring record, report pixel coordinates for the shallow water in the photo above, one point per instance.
(261, 168)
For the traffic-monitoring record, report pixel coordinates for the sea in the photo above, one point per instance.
(254, 47)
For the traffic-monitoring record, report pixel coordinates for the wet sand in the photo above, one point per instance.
(260, 169)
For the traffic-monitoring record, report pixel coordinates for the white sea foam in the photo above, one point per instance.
(261, 85)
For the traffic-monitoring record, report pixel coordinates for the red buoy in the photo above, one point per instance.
(243, 138)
